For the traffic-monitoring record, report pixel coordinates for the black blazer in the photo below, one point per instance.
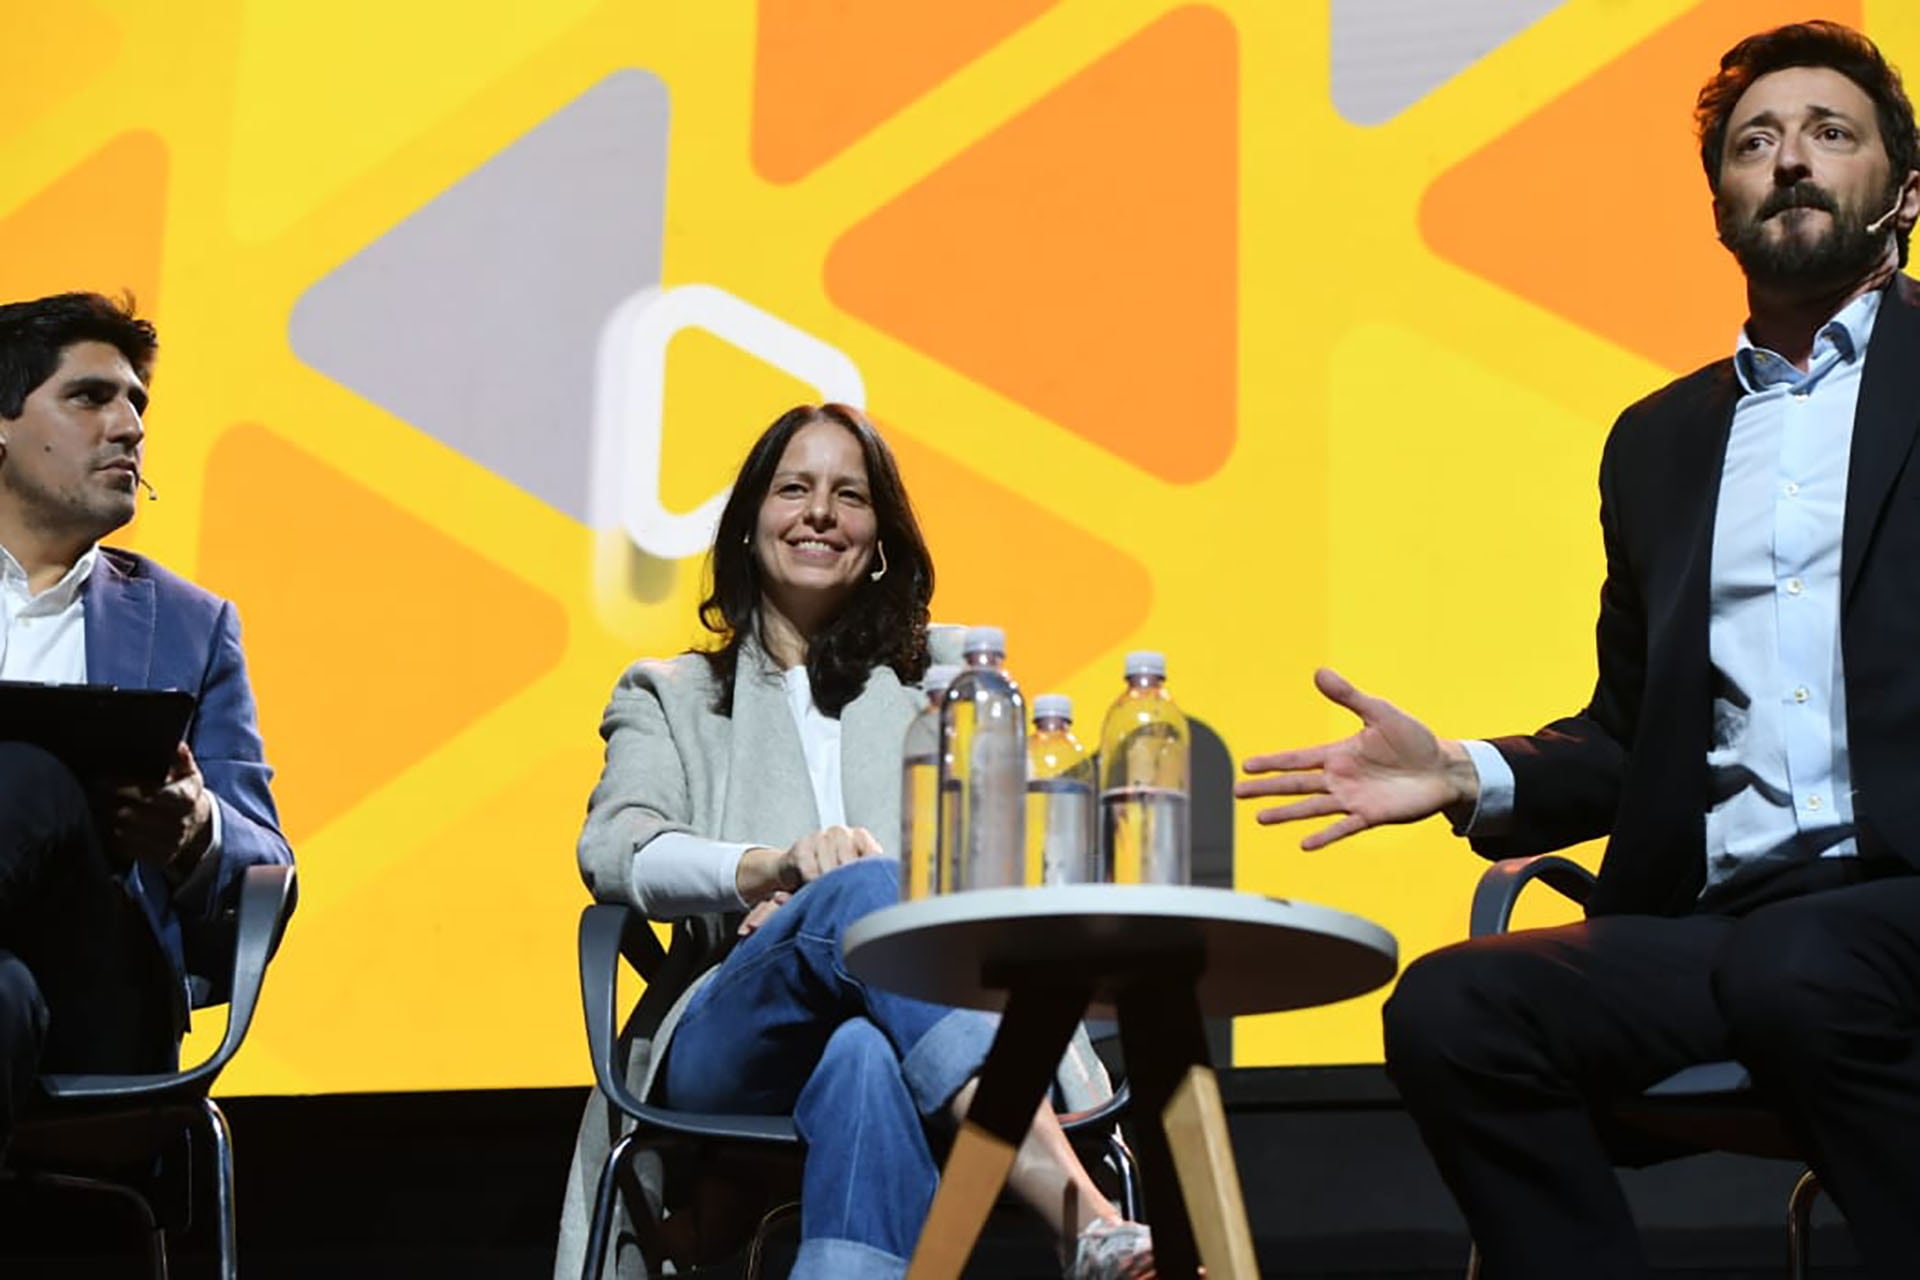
(1633, 765)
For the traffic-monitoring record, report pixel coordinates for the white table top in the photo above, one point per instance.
(1256, 954)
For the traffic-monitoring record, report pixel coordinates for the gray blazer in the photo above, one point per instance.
(673, 764)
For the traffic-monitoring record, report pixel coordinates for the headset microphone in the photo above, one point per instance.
(1873, 228)
(153, 494)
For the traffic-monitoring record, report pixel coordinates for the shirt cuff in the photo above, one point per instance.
(676, 874)
(1493, 809)
(208, 867)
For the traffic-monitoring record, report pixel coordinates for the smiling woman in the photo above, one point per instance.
(747, 781)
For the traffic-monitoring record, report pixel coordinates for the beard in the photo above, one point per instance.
(1801, 260)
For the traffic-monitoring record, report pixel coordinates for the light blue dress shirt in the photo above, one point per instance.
(1782, 789)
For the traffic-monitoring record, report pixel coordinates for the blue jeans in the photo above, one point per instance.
(784, 1027)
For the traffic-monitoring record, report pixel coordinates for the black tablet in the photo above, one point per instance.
(103, 733)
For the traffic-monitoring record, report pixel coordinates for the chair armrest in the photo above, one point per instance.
(1500, 887)
(606, 932)
(266, 900)
(1101, 1115)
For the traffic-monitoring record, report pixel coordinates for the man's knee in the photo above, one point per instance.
(1450, 1008)
(38, 789)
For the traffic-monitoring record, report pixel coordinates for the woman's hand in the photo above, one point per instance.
(761, 910)
(764, 871)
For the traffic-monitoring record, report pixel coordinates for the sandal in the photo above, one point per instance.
(1112, 1249)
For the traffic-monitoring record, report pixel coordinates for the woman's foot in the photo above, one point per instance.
(1112, 1249)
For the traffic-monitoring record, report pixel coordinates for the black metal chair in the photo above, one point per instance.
(142, 1122)
(1708, 1107)
(610, 933)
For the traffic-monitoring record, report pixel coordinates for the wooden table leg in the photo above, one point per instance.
(1192, 1187)
(1020, 1066)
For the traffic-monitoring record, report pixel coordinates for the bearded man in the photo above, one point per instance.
(1751, 749)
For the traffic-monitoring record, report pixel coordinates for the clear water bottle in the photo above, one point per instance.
(1145, 767)
(983, 770)
(920, 791)
(1061, 844)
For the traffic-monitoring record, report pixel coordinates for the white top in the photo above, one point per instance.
(679, 874)
(44, 637)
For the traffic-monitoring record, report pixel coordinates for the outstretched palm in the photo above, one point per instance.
(1393, 770)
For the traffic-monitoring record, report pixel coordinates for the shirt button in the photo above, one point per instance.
(1813, 802)
(1800, 694)
(1792, 489)
(1795, 586)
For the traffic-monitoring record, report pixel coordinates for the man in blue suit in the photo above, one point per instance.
(109, 893)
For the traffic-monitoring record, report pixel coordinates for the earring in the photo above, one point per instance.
(746, 539)
(879, 549)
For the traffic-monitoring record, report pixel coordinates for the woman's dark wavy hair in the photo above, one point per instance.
(883, 623)
(1810, 44)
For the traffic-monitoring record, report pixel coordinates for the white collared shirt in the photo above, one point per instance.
(43, 637)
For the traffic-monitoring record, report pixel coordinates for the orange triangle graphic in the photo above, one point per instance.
(372, 637)
(99, 227)
(1083, 259)
(56, 51)
(1073, 596)
(1595, 206)
(827, 72)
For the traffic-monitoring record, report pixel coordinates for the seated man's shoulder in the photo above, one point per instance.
(1705, 386)
(178, 591)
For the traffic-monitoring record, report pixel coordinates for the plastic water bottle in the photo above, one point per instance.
(920, 791)
(1145, 766)
(1061, 846)
(983, 770)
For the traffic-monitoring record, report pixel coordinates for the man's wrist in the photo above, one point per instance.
(1461, 777)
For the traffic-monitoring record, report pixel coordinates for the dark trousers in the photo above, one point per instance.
(84, 984)
(1506, 1050)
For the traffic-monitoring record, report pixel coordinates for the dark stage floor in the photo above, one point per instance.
(468, 1185)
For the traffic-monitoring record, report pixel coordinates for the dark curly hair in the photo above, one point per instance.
(883, 623)
(1818, 43)
(33, 335)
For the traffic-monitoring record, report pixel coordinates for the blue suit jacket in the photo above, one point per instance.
(147, 628)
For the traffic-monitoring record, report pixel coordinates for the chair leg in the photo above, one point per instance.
(157, 1253)
(1120, 1155)
(1800, 1224)
(603, 1198)
(1473, 1260)
(757, 1251)
(221, 1140)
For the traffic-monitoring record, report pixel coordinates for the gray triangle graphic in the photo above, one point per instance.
(1389, 54)
(477, 319)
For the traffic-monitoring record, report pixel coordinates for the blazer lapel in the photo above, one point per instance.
(118, 620)
(769, 795)
(1884, 425)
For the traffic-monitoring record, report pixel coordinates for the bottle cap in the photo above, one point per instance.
(1055, 705)
(938, 677)
(1147, 662)
(985, 640)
